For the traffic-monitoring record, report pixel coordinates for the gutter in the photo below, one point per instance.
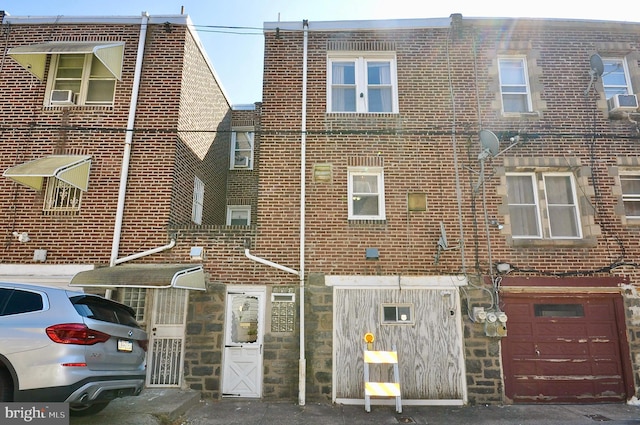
(126, 156)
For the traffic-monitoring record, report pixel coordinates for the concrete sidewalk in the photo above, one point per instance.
(176, 407)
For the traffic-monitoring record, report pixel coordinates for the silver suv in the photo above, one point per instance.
(67, 346)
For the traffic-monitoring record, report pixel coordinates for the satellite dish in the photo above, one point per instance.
(489, 142)
(596, 70)
(597, 66)
(442, 242)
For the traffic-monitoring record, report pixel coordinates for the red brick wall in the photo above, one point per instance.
(437, 70)
(159, 192)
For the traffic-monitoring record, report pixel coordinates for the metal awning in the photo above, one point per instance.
(33, 57)
(182, 276)
(72, 169)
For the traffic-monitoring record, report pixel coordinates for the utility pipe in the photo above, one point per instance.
(268, 263)
(126, 156)
(145, 253)
(302, 364)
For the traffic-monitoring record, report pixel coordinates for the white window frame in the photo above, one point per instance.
(352, 195)
(543, 221)
(629, 197)
(613, 67)
(198, 201)
(400, 310)
(505, 88)
(237, 153)
(361, 61)
(80, 97)
(61, 197)
(232, 209)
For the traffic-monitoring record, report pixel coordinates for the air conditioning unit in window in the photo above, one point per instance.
(63, 97)
(242, 162)
(623, 103)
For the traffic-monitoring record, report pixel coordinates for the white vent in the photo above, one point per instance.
(62, 97)
(241, 162)
(622, 102)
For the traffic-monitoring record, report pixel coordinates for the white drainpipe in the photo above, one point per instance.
(302, 362)
(302, 369)
(145, 253)
(126, 157)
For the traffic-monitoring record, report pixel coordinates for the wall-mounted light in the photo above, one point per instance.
(495, 223)
(22, 237)
(503, 267)
(196, 253)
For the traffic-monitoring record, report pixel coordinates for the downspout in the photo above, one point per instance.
(302, 368)
(126, 156)
(170, 245)
(268, 263)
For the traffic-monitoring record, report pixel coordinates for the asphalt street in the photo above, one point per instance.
(179, 407)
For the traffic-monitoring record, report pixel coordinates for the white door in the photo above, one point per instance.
(166, 338)
(244, 329)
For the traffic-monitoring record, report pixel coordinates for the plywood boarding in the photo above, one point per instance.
(429, 350)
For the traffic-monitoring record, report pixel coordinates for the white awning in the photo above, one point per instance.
(33, 57)
(72, 169)
(182, 276)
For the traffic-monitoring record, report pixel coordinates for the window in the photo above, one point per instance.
(630, 184)
(558, 310)
(61, 196)
(242, 149)
(615, 78)
(238, 215)
(560, 218)
(81, 79)
(514, 85)
(397, 313)
(136, 298)
(198, 201)
(18, 302)
(366, 194)
(362, 83)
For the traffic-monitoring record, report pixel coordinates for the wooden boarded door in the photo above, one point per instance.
(430, 351)
(563, 349)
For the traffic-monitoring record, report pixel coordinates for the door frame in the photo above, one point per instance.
(261, 292)
(176, 332)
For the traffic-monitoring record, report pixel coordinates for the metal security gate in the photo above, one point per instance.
(166, 345)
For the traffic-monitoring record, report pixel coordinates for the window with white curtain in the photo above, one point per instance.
(514, 85)
(543, 205)
(238, 215)
(198, 201)
(630, 184)
(366, 193)
(364, 83)
(242, 148)
(615, 78)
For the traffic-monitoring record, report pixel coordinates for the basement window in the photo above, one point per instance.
(397, 313)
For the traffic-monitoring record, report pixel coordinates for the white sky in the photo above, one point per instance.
(237, 54)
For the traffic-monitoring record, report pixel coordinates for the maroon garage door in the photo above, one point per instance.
(563, 349)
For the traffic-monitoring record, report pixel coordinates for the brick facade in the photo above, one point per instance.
(448, 90)
(438, 68)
